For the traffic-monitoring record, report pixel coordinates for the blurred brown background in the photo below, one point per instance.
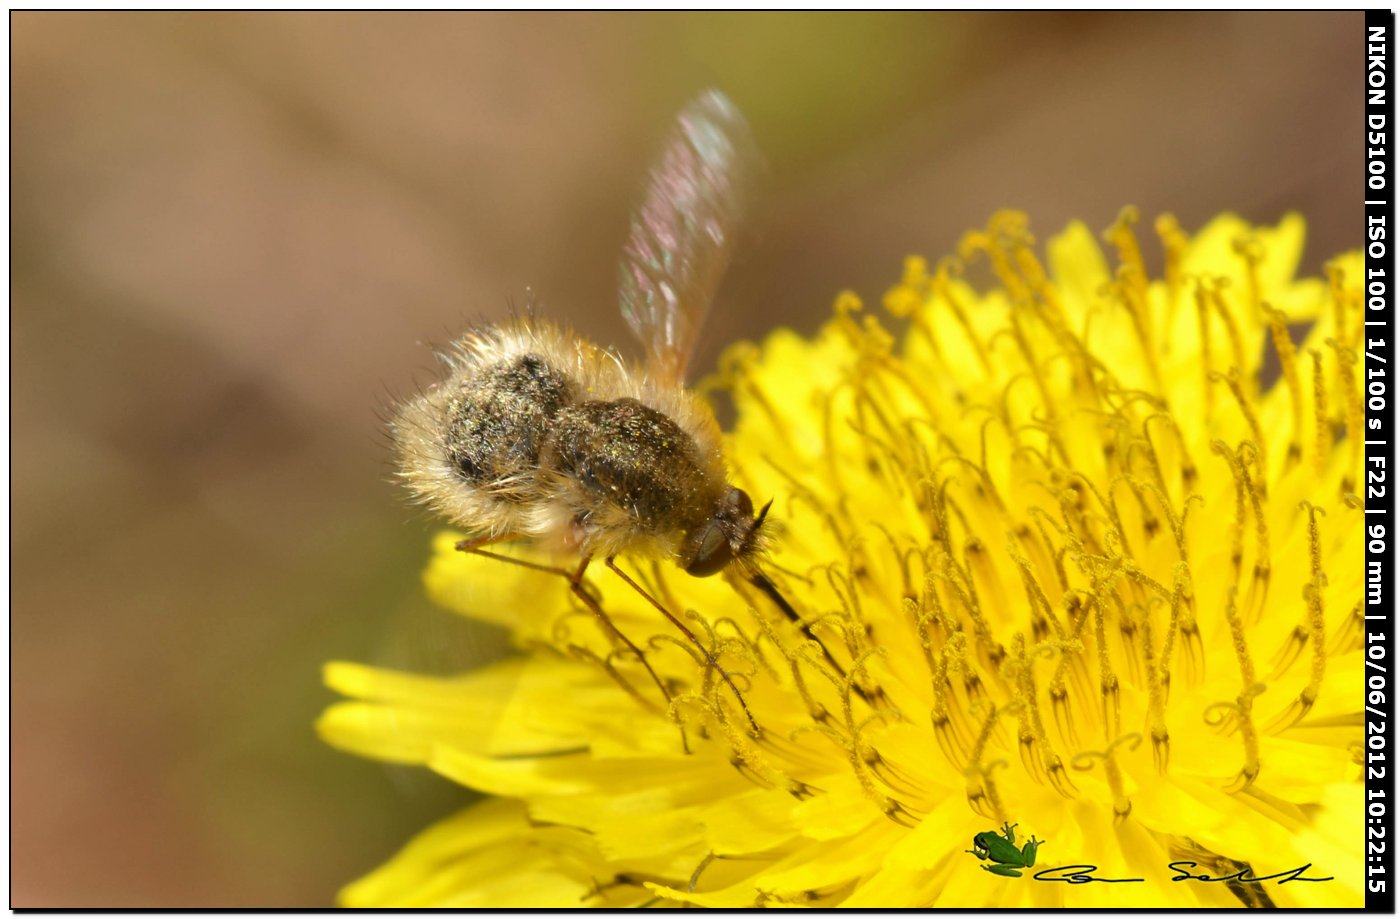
(231, 235)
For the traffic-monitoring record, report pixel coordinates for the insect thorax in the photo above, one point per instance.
(499, 416)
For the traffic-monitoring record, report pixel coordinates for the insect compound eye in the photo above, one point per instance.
(713, 553)
(739, 503)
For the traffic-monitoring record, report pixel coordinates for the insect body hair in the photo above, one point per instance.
(469, 447)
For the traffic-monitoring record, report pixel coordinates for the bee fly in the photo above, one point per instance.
(538, 435)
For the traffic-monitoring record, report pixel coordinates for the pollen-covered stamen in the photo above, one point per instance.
(850, 740)
(1176, 524)
(926, 615)
(802, 494)
(1059, 553)
(1008, 247)
(1182, 457)
(1251, 250)
(1086, 368)
(1157, 685)
(1020, 243)
(708, 653)
(1059, 699)
(1245, 403)
(1043, 619)
(832, 405)
(1014, 671)
(1237, 530)
(1035, 369)
(846, 306)
(804, 654)
(1123, 238)
(1174, 244)
(1037, 754)
(1263, 565)
(746, 646)
(936, 288)
(1341, 303)
(1207, 360)
(1288, 359)
(834, 629)
(1108, 679)
(888, 460)
(902, 554)
(876, 369)
(1322, 425)
(851, 624)
(1135, 541)
(1079, 535)
(1131, 286)
(870, 767)
(983, 796)
(987, 587)
(905, 298)
(963, 597)
(981, 789)
(1313, 628)
(1239, 715)
(710, 660)
(1113, 773)
(1355, 416)
(1077, 613)
(1215, 288)
(950, 719)
(733, 373)
(1183, 623)
(1137, 450)
(940, 291)
(994, 243)
(1130, 618)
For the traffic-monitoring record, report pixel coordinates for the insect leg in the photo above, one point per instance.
(575, 579)
(576, 584)
(474, 547)
(612, 563)
(770, 590)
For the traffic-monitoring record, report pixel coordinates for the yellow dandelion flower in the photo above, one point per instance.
(1063, 564)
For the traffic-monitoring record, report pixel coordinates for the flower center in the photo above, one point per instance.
(1050, 576)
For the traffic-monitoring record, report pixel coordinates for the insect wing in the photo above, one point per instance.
(682, 236)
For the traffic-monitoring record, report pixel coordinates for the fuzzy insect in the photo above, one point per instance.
(536, 434)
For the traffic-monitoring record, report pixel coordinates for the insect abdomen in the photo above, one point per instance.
(499, 416)
(630, 455)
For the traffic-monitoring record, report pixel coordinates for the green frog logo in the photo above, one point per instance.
(1000, 849)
